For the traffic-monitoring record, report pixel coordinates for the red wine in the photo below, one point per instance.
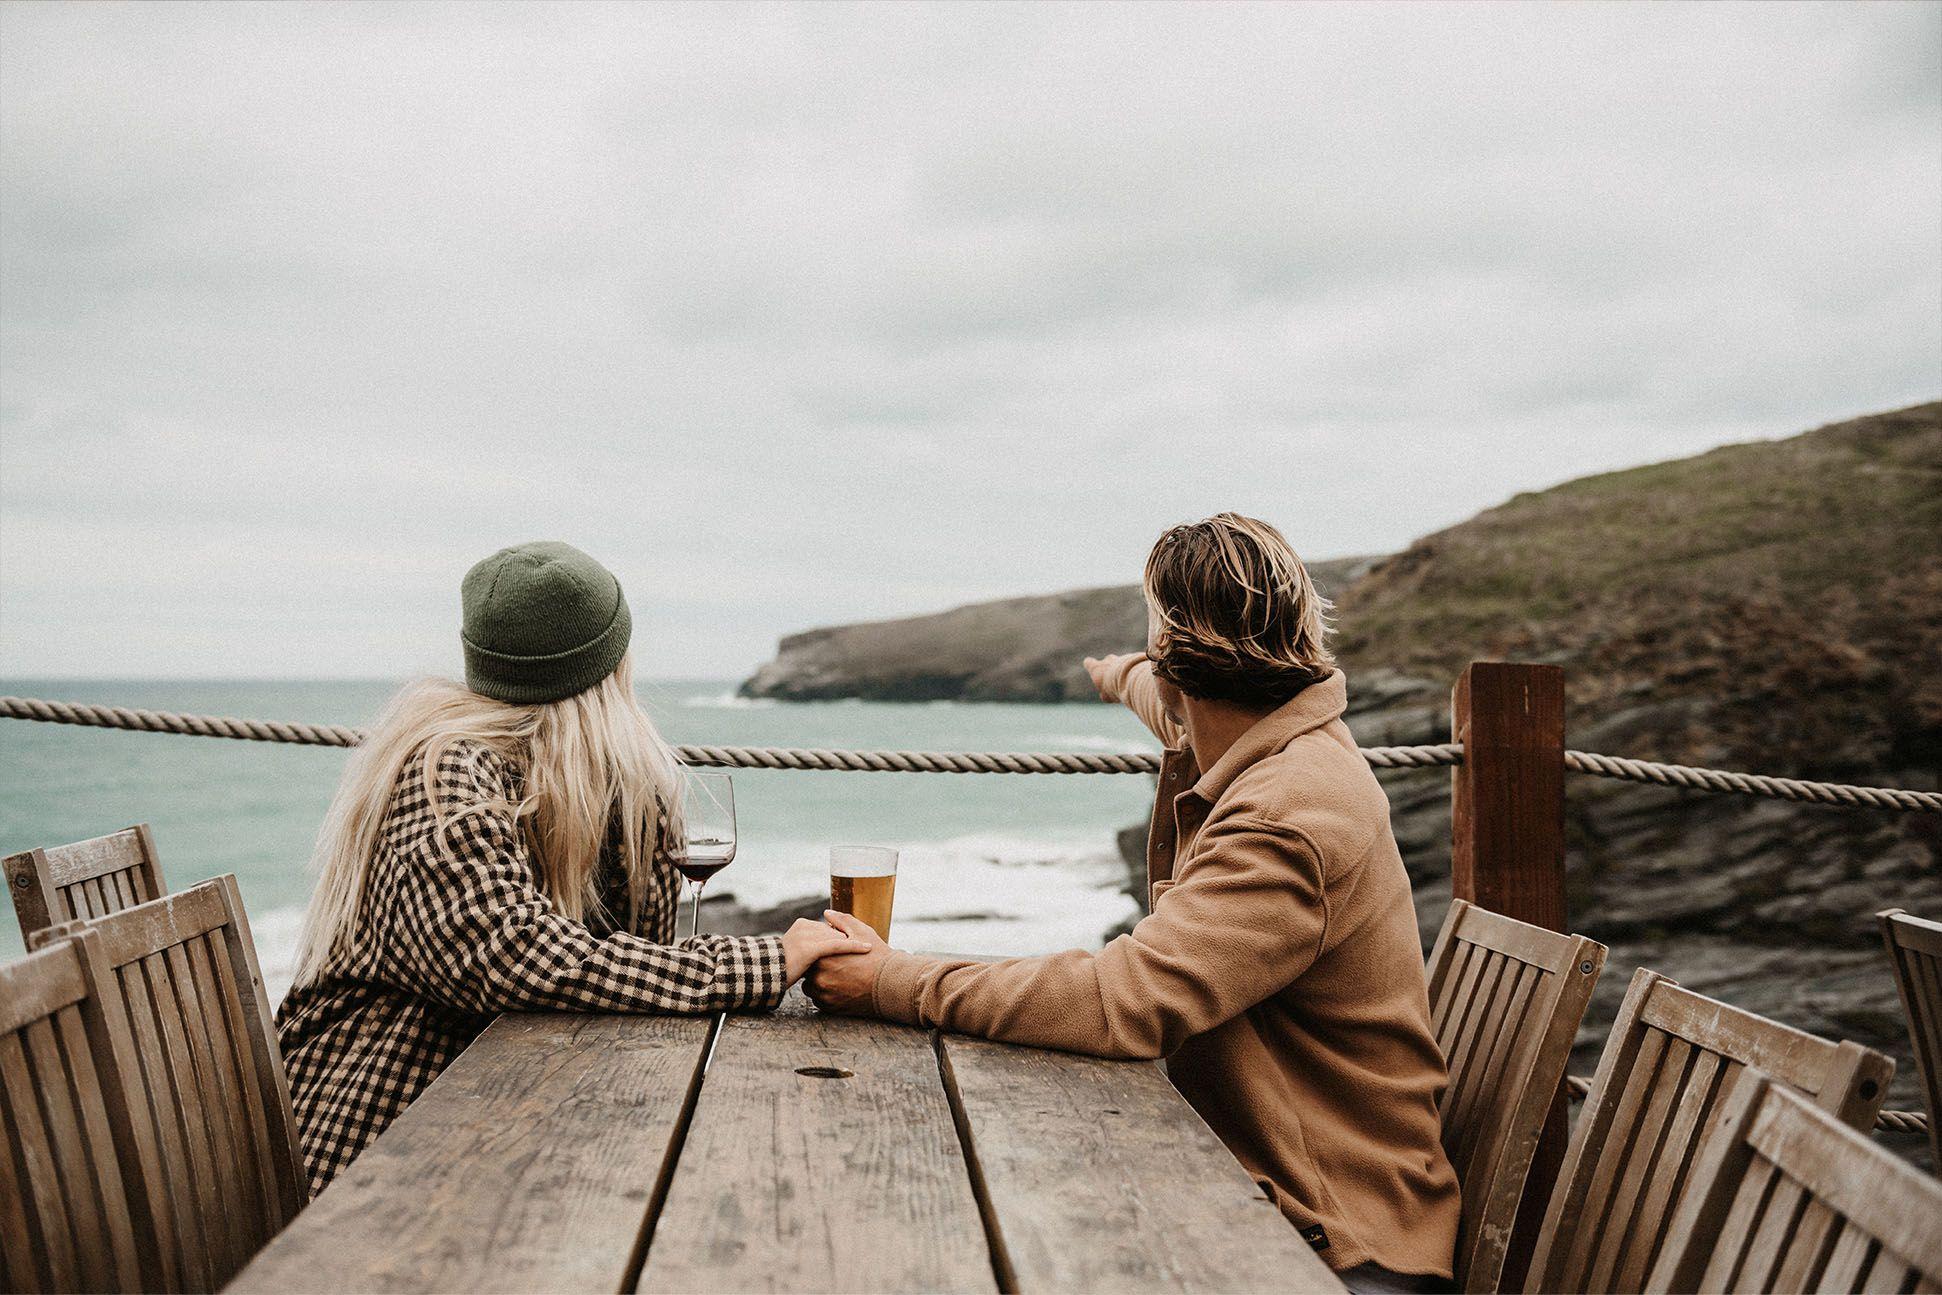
(699, 870)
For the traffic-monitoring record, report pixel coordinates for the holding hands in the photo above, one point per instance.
(845, 980)
(805, 942)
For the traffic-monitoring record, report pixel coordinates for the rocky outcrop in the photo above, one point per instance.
(1016, 649)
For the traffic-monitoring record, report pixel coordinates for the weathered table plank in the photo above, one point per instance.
(1098, 1176)
(789, 1182)
(528, 1165)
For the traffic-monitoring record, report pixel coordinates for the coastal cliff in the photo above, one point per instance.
(1014, 649)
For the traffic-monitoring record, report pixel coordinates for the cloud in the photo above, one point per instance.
(802, 314)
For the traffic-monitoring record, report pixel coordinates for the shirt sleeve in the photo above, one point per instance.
(471, 928)
(1248, 915)
(1132, 683)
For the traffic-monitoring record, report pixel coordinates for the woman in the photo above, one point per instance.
(499, 847)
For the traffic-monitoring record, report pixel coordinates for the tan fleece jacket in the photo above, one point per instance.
(1279, 973)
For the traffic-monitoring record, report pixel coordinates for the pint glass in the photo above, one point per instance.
(862, 883)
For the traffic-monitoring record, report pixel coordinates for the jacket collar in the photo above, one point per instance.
(1316, 705)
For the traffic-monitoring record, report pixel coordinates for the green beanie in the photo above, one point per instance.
(543, 621)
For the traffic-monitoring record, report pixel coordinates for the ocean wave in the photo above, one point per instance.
(730, 700)
(1095, 742)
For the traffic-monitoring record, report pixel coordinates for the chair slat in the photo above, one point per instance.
(238, 1150)
(1915, 953)
(84, 880)
(1632, 1155)
(177, 1210)
(1888, 1276)
(1806, 1252)
(67, 1220)
(1506, 999)
(1783, 1182)
(1625, 1222)
(229, 1238)
(208, 1084)
(254, 1110)
(115, 1266)
(53, 1238)
(52, 1085)
(17, 1246)
(1779, 1218)
(1683, 1137)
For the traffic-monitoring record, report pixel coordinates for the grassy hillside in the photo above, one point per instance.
(1799, 582)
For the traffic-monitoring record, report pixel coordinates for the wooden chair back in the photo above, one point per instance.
(1915, 949)
(209, 1072)
(86, 879)
(1787, 1198)
(76, 1177)
(1506, 999)
(1672, 1057)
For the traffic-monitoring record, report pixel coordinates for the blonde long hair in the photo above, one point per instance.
(590, 764)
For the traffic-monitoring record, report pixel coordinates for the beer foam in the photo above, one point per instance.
(862, 861)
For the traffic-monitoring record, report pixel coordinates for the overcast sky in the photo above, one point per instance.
(804, 315)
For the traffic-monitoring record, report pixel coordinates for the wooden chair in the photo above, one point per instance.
(86, 879)
(76, 1175)
(1506, 999)
(1915, 949)
(209, 1073)
(1672, 1057)
(1787, 1198)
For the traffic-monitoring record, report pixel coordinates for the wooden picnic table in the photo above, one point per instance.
(791, 1152)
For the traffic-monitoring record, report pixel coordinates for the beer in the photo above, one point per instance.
(863, 883)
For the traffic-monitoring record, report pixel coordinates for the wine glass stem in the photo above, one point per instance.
(694, 912)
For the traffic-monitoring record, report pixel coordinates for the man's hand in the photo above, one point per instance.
(847, 982)
(805, 942)
(1109, 667)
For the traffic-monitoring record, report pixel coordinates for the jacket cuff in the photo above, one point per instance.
(895, 994)
(752, 972)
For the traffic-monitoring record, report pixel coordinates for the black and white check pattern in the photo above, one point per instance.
(447, 937)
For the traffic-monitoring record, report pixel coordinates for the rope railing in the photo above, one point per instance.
(1686, 777)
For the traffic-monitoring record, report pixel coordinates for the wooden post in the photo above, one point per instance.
(1507, 848)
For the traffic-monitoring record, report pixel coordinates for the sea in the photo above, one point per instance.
(990, 863)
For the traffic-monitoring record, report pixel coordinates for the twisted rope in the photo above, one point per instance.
(721, 757)
(1577, 1088)
(1750, 784)
(770, 757)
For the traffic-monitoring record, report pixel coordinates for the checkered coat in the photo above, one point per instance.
(449, 935)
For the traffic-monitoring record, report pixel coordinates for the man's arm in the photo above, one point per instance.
(1128, 678)
(1248, 917)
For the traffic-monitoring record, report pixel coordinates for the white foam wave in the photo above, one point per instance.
(728, 701)
(1094, 742)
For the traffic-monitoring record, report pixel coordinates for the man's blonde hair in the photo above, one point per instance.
(1238, 618)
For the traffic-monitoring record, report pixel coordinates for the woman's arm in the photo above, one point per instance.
(466, 924)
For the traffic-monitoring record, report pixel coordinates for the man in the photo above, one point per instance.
(1279, 972)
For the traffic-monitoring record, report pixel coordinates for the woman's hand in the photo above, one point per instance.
(806, 941)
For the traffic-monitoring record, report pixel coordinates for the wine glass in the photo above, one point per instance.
(707, 834)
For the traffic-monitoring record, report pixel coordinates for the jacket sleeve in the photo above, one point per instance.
(471, 928)
(1131, 682)
(1248, 915)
